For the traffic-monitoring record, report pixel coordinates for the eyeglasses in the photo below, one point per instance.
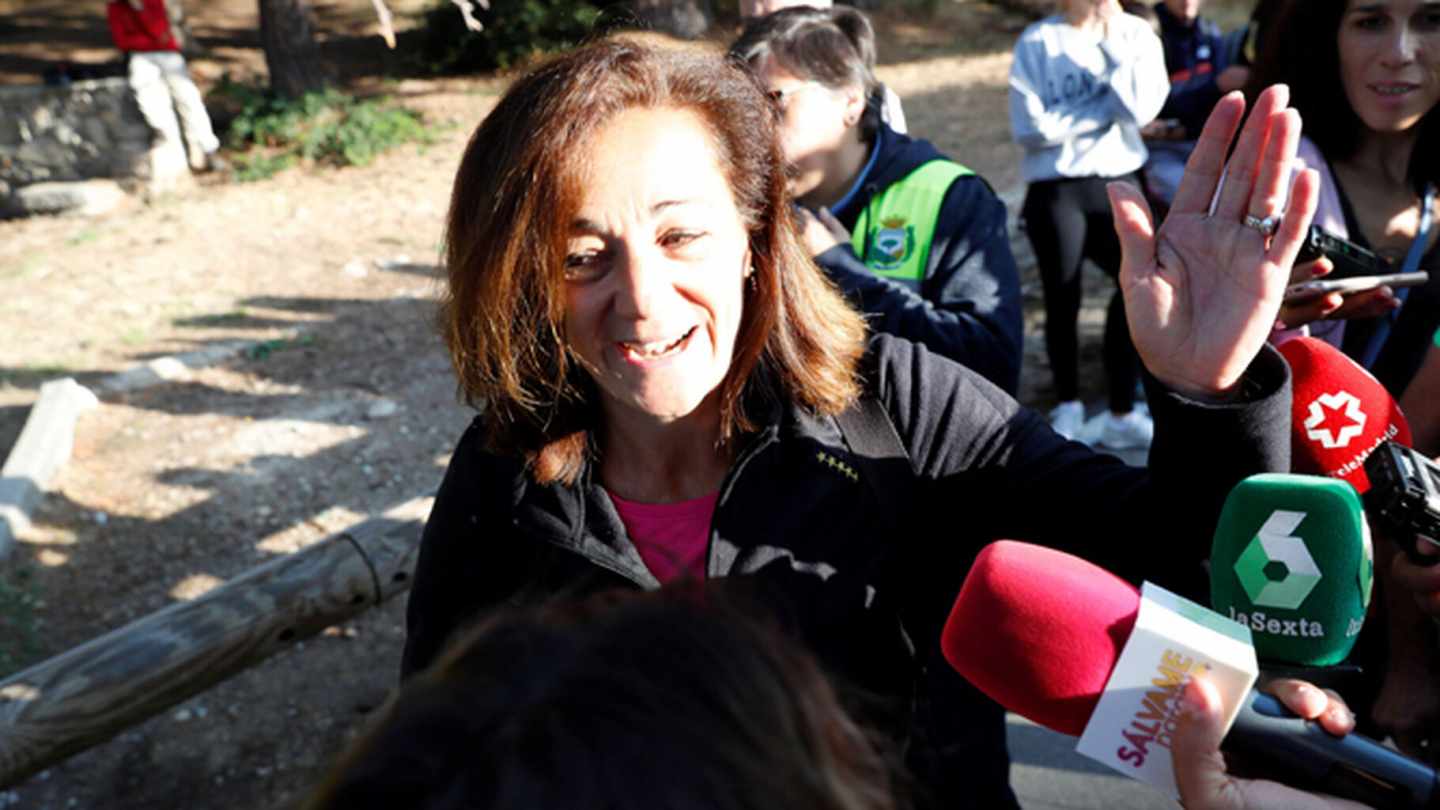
(780, 96)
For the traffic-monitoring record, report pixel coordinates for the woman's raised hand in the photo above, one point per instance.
(1202, 292)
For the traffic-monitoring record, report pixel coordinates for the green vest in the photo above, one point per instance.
(893, 234)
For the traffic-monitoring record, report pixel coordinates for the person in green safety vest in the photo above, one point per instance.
(918, 241)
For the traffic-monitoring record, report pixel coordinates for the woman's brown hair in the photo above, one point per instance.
(516, 194)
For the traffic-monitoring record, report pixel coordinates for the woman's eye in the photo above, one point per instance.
(583, 264)
(1373, 22)
(679, 238)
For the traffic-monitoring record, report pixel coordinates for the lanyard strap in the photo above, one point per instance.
(1410, 265)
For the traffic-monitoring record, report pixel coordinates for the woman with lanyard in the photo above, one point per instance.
(669, 388)
(917, 241)
(1377, 146)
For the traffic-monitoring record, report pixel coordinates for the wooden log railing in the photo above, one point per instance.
(94, 691)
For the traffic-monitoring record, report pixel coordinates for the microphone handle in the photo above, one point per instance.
(1304, 755)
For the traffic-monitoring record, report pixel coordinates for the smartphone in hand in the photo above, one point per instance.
(1349, 286)
(1348, 258)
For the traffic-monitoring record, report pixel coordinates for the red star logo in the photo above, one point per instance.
(1335, 419)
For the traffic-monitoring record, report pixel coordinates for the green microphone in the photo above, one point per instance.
(1292, 561)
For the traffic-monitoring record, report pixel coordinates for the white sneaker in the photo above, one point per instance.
(1067, 418)
(1093, 427)
(1131, 431)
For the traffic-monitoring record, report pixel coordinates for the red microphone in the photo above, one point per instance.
(1000, 603)
(1040, 631)
(1340, 413)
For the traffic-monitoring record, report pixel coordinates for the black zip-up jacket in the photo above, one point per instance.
(967, 307)
(864, 571)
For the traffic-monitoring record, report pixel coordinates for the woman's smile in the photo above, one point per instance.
(647, 352)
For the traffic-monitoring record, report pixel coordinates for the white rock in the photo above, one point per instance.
(169, 368)
(382, 408)
(182, 716)
(397, 262)
(84, 197)
(356, 268)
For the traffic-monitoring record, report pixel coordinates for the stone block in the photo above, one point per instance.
(90, 129)
(83, 197)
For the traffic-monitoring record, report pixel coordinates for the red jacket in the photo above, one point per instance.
(145, 30)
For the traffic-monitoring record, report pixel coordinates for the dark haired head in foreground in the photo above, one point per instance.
(624, 702)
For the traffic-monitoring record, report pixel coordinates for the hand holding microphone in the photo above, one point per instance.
(1200, 770)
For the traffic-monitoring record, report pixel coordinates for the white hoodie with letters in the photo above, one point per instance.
(1077, 102)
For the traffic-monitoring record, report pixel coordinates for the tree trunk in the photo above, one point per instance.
(682, 18)
(291, 54)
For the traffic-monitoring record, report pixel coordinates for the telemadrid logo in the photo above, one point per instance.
(1276, 542)
(1341, 402)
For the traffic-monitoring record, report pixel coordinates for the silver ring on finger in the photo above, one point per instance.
(1267, 226)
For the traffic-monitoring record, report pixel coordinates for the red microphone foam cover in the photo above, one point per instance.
(1340, 413)
(1039, 631)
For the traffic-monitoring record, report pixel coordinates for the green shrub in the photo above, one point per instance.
(249, 168)
(515, 30)
(330, 128)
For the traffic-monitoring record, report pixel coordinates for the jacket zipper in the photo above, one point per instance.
(764, 440)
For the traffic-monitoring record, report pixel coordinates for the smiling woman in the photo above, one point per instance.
(671, 389)
(1378, 140)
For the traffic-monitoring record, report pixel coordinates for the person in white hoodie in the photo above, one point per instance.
(1082, 84)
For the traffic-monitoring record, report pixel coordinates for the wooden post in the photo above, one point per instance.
(92, 692)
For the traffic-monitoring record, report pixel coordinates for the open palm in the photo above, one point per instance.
(1202, 292)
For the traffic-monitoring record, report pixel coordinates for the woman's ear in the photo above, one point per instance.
(854, 104)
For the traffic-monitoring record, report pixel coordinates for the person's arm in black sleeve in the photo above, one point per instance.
(971, 444)
(968, 308)
(467, 560)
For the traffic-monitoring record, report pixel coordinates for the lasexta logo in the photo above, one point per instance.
(1276, 569)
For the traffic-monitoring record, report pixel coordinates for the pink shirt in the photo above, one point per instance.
(672, 537)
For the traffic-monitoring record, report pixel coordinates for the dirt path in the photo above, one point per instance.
(348, 409)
